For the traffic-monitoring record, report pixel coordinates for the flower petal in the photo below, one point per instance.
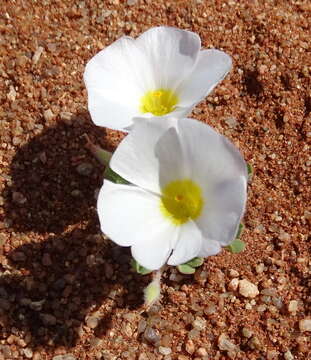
(111, 114)
(171, 161)
(134, 159)
(171, 52)
(218, 167)
(223, 210)
(116, 78)
(212, 157)
(188, 244)
(131, 216)
(209, 248)
(211, 68)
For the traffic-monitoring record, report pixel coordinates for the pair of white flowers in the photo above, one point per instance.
(187, 190)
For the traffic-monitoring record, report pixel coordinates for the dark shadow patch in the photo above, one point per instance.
(252, 85)
(307, 103)
(285, 79)
(53, 178)
(279, 119)
(69, 270)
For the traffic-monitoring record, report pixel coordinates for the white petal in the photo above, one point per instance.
(211, 68)
(116, 78)
(105, 112)
(218, 167)
(169, 152)
(156, 247)
(171, 52)
(131, 216)
(223, 210)
(134, 159)
(209, 248)
(212, 157)
(188, 244)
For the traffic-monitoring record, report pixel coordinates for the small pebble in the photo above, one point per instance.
(141, 326)
(231, 122)
(260, 268)
(305, 325)
(84, 169)
(151, 335)
(272, 354)
(293, 306)
(248, 289)
(165, 350)
(288, 355)
(92, 322)
(247, 332)
(28, 353)
(225, 344)
(190, 347)
(37, 54)
(199, 323)
(233, 284)
(48, 319)
(233, 273)
(18, 198)
(255, 343)
(201, 352)
(48, 115)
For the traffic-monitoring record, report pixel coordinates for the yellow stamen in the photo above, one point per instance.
(181, 200)
(158, 102)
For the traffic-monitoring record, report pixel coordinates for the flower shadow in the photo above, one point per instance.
(65, 285)
(53, 178)
(58, 271)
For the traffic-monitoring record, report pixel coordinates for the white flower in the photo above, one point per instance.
(161, 73)
(188, 193)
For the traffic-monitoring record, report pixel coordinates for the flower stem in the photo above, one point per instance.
(153, 291)
(103, 156)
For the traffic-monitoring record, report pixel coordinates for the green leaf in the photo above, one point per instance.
(196, 262)
(236, 246)
(240, 231)
(186, 269)
(109, 174)
(139, 269)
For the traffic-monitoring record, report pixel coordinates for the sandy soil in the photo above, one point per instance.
(66, 292)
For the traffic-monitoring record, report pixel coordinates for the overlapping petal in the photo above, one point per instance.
(171, 52)
(168, 58)
(155, 154)
(211, 68)
(188, 245)
(135, 158)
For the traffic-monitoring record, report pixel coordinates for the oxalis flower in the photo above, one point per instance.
(187, 192)
(160, 73)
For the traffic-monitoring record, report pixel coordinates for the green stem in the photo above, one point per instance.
(153, 291)
(103, 156)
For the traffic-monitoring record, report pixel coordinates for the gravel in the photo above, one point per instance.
(248, 289)
(48, 180)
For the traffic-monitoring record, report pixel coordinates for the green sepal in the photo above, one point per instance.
(109, 174)
(139, 269)
(195, 262)
(236, 246)
(250, 171)
(186, 269)
(240, 231)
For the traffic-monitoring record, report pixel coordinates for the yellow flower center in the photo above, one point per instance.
(181, 200)
(158, 102)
